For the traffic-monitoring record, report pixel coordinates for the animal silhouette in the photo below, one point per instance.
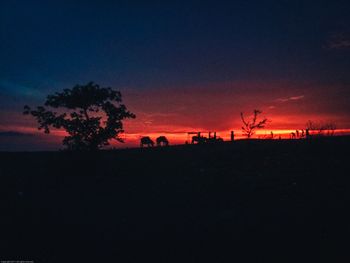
(162, 141)
(146, 141)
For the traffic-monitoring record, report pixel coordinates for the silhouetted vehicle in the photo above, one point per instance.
(213, 139)
(216, 139)
(199, 139)
(162, 141)
(146, 141)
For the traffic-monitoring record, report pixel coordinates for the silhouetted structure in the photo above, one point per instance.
(84, 129)
(213, 139)
(232, 136)
(162, 141)
(307, 133)
(216, 139)
(198, 139)
(146, 141)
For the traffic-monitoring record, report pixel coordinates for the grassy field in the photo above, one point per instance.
(231, 202)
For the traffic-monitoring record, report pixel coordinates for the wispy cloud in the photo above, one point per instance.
(339, 41)
(293, 98)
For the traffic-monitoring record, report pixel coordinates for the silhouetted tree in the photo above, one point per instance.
(90, 114)
(330, 127)
(250, 126)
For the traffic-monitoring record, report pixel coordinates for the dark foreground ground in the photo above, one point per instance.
(230, 202)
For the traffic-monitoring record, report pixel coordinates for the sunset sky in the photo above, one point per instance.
(181, 66)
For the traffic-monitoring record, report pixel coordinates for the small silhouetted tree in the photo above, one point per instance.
(250, 126)
(90, 114)
(321, 128)
(330, 127)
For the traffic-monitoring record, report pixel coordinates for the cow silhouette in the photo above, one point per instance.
(162, 141)
(146, 141)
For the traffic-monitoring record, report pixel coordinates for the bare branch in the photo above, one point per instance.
(248, 127)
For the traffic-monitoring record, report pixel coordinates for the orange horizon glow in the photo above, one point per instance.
(175, 138)
(182, 138)
(175, 111)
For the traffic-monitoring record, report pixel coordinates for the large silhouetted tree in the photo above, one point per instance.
(90, 114)
(250, 126)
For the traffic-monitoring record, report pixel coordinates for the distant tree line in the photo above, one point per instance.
(321, 128)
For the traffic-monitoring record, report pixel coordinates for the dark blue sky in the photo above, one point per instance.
(164, 43)
(158, 45)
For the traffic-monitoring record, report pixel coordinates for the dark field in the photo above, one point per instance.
(229, 202)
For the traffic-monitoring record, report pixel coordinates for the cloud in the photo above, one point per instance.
(14, 134)
(340, 44)
(339, 41)
(293, 98)
(296, 97)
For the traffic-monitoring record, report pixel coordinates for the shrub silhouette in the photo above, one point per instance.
(321, 128)
(90, 114)
(249, 127)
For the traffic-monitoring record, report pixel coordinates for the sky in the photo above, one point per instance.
(181, 65)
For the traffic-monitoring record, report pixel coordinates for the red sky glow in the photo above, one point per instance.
(175, 111)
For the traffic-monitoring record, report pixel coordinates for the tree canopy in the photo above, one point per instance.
(91, 115)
